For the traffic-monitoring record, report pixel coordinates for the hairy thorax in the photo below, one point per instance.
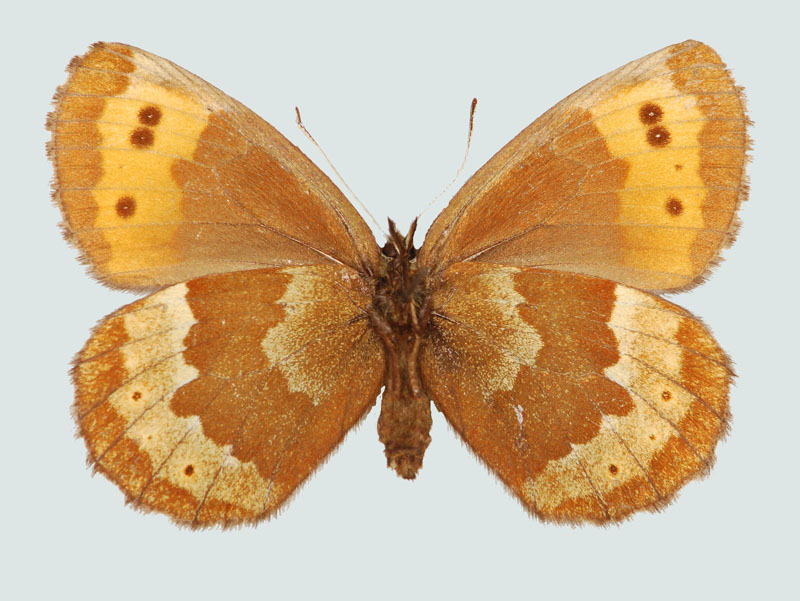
(400, 314)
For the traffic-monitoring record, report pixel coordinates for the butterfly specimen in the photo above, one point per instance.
(529, 317)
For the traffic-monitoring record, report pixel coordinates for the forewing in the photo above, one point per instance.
(589, 399)
(635, 178)
(162, 178)
(212, 400)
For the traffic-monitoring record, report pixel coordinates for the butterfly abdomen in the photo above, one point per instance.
(405, 422)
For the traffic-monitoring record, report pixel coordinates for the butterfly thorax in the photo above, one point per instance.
(400, 313)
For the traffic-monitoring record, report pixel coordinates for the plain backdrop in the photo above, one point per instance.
(385, 88)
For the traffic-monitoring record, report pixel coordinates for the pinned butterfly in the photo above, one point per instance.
(530, 316)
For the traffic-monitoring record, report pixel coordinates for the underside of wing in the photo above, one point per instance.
(636, 178)
(590, 400)
(211, 401)
(162, 178)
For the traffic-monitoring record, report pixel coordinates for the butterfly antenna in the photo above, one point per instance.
(463, 163)
(339, 175)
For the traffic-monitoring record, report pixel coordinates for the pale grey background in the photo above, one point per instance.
(386, 92)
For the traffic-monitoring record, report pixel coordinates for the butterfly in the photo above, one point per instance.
(530, 316)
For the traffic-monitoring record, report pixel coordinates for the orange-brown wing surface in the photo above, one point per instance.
(590, 400)
(162, 178)
(212, 400)
(635, 178)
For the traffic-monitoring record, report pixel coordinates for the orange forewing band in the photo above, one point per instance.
(163, 178)
(634, 178)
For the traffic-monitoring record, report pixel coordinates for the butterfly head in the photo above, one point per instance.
(399, 246)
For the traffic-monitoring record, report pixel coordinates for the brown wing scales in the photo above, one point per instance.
(213, 400)
(590, 400)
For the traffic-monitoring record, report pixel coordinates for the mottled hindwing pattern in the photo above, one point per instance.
(162, 178)
(589, 399)
(635, 178)
(212, 400)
